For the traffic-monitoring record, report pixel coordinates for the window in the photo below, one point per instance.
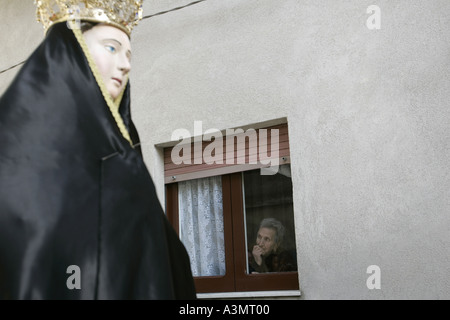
(269, 220)
(200, 214)
(238, 227)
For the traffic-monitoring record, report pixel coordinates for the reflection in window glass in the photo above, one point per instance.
(269, 218)
(201, 225)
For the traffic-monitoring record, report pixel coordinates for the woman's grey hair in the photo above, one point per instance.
(272, 223)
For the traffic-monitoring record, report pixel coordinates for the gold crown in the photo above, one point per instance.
(124, 14)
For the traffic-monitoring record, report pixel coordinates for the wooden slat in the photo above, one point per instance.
(283, 151)
(283, 139)
(283, 131)
(218, 171)
(199, 167)
(238, 159)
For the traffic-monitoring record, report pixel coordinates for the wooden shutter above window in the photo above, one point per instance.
(242, 151)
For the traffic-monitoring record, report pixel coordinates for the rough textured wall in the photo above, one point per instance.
(20, 34)
(368, 113)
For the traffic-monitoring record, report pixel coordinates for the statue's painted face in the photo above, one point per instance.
(110, 48)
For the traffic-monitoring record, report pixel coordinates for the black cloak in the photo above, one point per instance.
(75, 192)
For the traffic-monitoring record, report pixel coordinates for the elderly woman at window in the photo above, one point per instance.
(268, 254)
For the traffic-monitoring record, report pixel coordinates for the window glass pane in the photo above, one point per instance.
(269, 218)
(201, 225)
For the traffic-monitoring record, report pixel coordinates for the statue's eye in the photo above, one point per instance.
(110, 48)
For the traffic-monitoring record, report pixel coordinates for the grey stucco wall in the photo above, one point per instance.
(20, 34)
(368, 116)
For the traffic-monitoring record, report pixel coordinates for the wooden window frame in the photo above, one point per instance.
(236, 278)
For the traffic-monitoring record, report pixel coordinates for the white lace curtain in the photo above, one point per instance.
(201, 225)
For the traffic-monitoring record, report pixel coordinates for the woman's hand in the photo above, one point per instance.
(257, 254)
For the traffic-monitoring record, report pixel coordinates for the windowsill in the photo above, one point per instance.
(290, 294)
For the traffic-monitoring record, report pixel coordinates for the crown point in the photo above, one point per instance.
(124, 14)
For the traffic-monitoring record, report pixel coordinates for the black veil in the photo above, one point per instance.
(74, 192)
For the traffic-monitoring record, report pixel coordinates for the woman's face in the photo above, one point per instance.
(266, 240)
(111, 50)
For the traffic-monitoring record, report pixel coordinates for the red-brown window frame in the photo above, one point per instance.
(236, 278)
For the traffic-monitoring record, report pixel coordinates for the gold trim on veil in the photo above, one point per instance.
(113, 105)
